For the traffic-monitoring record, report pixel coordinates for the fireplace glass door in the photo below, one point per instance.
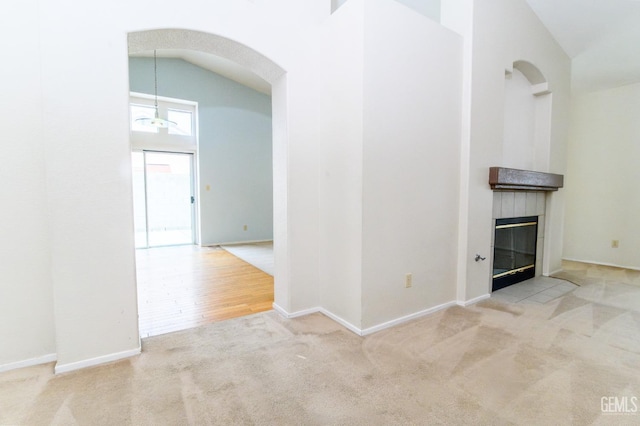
(514, 253)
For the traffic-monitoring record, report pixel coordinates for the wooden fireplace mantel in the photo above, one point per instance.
(504, 179)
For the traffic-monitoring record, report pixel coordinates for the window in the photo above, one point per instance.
(183, 120)
(141, 111)
(181, 137)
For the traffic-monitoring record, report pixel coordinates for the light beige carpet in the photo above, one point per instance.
(492, 363)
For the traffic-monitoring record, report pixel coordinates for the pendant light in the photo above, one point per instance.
(156, 121)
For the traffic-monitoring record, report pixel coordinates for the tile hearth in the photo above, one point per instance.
(538, 290)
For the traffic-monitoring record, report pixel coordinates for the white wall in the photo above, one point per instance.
(428, 8)
(389, 123)
(340, 165)
(83, 74)
(234, 149)
(519, 122)
(26, 298)
(502, 31)
(603, 199)
(412, 109)
(83, 78)
(457, 15)
(330, 156)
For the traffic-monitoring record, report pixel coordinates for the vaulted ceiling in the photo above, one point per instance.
(222, 66)
(601, 36)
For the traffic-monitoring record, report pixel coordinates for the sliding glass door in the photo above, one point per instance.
(163, 198)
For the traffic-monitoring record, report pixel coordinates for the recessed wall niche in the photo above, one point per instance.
(527, 118)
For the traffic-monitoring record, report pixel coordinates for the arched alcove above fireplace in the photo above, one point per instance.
(527, 118)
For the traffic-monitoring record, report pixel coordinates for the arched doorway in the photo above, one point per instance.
(269, 71)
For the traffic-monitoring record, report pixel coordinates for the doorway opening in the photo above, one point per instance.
(164, 172)
(217, 200)
(163, 198)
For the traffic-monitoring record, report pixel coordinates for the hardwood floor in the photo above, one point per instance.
(187, 286)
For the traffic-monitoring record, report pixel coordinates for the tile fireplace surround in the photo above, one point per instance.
(508, 204)
(520, 193)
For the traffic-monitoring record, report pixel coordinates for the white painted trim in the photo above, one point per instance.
(297, 314)
(64, 368)
(323, 311)
(341, 321)
(163, 98)
(236, 243)
(28, 362)
(465, 303)
(593, 262)
(375, 328)
(406, 318)
(540, 89)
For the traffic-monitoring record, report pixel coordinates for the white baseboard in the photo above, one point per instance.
(296, 314)
(28, 362)
(357, 330)
(234, 243)
(405, 318)
(341, 321)
(473, 301)
(323, 311)
(593, 262)
(72, 366)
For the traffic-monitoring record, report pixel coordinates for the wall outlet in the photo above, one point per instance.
(408, 280)
(244, 227)
(615, 243)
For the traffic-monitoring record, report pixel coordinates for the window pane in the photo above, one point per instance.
(142, 111)
(183, 122)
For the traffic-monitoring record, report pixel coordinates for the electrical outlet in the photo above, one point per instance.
(408, 280)
(244, 227)
(615, 243)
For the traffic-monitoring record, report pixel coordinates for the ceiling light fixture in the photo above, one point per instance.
(156, 121)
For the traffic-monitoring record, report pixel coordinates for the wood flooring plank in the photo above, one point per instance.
(184, 287)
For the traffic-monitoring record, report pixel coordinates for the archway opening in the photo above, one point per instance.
(250, 62)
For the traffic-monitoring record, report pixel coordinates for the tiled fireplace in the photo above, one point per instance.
(519, 208)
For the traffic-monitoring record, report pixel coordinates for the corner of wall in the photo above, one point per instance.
(72, 366)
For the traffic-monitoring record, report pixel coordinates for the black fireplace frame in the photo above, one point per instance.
(518, 273)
